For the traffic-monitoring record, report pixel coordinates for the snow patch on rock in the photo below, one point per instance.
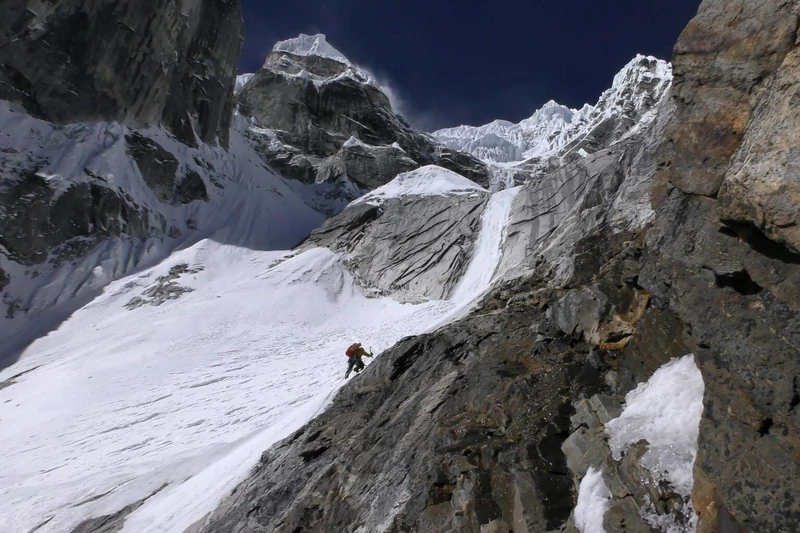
(665, 411)
(593, 502)
(241, 81)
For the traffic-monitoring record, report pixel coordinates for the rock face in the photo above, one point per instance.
(456, 431)
(728, 262)
(604, 192)
(169, 63)
(411, 247)
(320, 118)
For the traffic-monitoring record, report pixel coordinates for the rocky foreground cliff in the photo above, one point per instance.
(500, 422)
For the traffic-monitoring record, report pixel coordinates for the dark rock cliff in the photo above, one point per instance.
(724, 255)
(159, 62)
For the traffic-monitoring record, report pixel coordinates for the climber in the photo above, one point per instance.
(354, 362)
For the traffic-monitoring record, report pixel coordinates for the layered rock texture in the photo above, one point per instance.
(429, 258)
(665, 225)
(320, 119)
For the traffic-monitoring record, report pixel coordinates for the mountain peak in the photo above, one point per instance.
(311, 45)
(638, 87)
(643, 67)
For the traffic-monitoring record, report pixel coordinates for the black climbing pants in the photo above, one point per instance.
(355, 363)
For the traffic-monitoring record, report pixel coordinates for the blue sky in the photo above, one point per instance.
(469, 62)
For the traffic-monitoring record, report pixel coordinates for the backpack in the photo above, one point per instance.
(351, 351)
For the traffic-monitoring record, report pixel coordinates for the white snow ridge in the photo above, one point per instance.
(635, 88)
(430, 180)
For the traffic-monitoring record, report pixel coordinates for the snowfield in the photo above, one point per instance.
(174, 403)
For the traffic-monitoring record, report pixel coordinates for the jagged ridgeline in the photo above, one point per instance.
(583, 322)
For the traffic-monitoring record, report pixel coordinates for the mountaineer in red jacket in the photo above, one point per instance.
(354, 362)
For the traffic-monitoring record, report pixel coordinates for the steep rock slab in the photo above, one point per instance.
(412, 238)
(762, 187)
(558, 218)
(163, 62)
(458, 430)
(721, 61)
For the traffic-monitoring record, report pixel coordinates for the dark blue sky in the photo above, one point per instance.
(471, 61)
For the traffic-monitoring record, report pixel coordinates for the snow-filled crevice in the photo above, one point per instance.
(665, 411)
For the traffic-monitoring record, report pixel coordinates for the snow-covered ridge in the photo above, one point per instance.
(635, 89)
(311, 45)
(430, 180)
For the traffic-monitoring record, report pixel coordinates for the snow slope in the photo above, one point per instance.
(430, 180)
(175, 403)
(248, 206)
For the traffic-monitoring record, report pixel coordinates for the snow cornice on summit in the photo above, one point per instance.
(311, 45)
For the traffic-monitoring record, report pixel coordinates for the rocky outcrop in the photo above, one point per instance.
(164, 63)
(39, 222)
(321, 118)
(431, 243)
(159, 169)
